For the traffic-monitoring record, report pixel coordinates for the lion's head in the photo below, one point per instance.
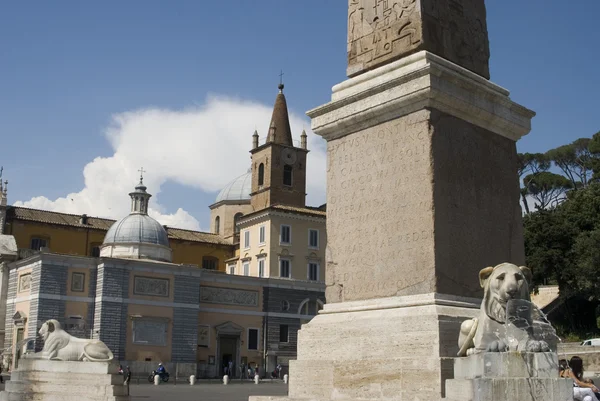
(501, 284)
(49, 327)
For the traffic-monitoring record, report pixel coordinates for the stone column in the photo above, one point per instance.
(422, 193)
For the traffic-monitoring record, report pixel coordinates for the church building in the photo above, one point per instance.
(161, 294)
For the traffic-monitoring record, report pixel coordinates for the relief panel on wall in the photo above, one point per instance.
(228, 296)
(155, 287)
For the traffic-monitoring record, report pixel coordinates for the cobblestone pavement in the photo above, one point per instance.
(205, 391)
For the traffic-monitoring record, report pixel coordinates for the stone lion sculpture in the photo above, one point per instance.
(487, 333)
(60, 345)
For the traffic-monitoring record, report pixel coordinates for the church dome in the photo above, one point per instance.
(238, 189)
(137, 236)
(137, 228)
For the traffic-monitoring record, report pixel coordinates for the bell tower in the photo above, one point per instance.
(278, 167)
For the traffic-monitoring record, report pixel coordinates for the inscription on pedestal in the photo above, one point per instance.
(381, 31)
(379, 210)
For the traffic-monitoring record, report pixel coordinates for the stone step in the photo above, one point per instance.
(4, 396)
(66, 387)
(72, 377)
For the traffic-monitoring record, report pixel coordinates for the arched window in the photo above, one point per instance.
(287, 175)
(217, 225)
(236, 218)
(261, 174)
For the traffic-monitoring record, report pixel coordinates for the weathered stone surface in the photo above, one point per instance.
(507, 364)
(39, 379)
(407, 197)
(412, 187)
(380, 31)
(379, 349)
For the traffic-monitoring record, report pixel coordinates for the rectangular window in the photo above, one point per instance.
(38, 243)
(283, 333)
(261, 234)
(284, 268)
(285, 235)
(209, 263)
(313, 238)
(247, 239)
(95, 251)
(261, 267)
(313, 271)
(246, 268)
(231, 269)
(253, 339)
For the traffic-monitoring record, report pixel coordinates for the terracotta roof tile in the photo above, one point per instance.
(72, 220)
(306, 210)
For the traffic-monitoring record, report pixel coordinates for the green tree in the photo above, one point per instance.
(529, 165)
(574, 160)
(548, 189)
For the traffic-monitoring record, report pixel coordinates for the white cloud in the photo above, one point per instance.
(202, 147)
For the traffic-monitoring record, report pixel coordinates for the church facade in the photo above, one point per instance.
(154, 294)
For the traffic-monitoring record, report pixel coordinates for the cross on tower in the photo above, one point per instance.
(142, 171)
(281, 78)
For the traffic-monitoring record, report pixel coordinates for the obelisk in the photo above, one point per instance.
(422, 193)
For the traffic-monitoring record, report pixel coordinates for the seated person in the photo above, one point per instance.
(581, 391)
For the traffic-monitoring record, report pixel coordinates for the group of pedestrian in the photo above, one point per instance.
(584, 389)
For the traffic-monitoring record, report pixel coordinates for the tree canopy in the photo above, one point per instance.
(562, 232)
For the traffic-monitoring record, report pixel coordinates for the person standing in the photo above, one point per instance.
(230, 369)
(127, 375)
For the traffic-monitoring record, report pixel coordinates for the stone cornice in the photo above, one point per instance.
(422, 80)
(430, 299)
(266, 213)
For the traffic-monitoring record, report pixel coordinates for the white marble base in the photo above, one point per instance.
(508, 376)
(402, 351)
(43, 380)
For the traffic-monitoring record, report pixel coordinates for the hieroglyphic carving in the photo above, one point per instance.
(228, 296)
(380, 210)
(381, 31)
(151, 286)
(380, 28)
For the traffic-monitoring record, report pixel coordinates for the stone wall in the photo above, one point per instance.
(273, 299)
(110, 314)
(10, 307)
(185, 320)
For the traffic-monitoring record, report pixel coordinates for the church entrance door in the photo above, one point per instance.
(228, 346)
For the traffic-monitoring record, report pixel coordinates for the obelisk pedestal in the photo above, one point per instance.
(422, 193)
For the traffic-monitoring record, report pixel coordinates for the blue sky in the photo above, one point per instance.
(123, 83)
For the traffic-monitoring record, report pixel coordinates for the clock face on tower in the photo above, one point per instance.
(288, 156)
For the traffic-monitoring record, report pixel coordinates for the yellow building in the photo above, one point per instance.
(69, 234)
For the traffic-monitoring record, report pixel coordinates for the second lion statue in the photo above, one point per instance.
(60, 345)
(487, 333)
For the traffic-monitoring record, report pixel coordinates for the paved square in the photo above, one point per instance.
(205, 391)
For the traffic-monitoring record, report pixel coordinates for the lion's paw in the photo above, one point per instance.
(497, 346)
(537, 346)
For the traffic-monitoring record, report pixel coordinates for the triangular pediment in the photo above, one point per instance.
(19, 316)
(229, 328)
